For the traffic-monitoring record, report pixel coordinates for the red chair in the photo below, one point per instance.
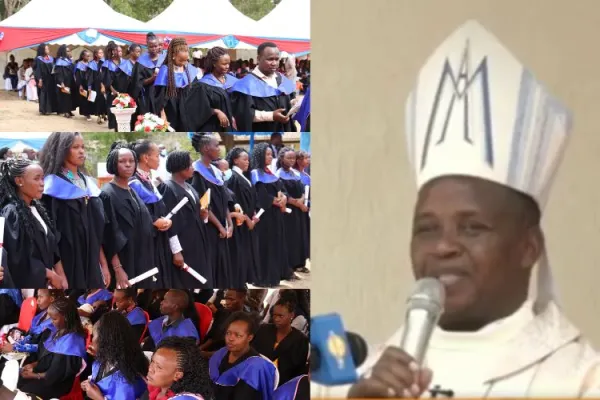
(76, 393)
(146, 327)
(206, 319)
(28, 309)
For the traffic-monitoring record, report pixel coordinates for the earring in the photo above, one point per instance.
(20, 184)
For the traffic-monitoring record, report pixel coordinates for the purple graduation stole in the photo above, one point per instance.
(101, 295)
(288, 390)
(70, 344)
(38, 327)
(184, 328)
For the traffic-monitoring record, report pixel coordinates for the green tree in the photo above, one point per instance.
(255, 9)
(143, 10)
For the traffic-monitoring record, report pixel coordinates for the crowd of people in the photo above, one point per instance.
(207, 93)
(62, 230)
(158, 344)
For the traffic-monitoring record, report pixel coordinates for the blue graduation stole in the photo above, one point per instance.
(115, 386)
(288, 390)
(127, 67)
(305, 178)
(148, 63)
(82, 66)
(14, 294)
(63, 62)
(304, 111)
(187, 396)
(213, 177)
(62, 189)
(184, 328)
(101, 295)
(259, 175)
(181, 78)
(254, 86)
(257, 372)
(147, 196)
(291, 175)
(38, 327)
(136, 317)
(70, 344)
(50, 59)
(211, 80)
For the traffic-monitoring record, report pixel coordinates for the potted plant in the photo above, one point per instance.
(123, 106)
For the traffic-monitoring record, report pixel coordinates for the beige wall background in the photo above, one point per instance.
(366, 56)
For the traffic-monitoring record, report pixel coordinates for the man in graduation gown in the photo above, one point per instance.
(173, 323)
(262, 99)
(477, 229)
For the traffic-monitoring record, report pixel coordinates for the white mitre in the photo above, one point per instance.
(476, 111)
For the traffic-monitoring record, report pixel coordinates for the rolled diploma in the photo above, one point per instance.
(288, 210)
(306, 193)
(259, 213)
(182, 203)
(1, 237)
(193, 273)
(143, 276)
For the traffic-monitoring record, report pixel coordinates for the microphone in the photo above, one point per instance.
(334, 353)
(425, 306)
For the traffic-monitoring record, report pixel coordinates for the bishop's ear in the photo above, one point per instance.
(534, 244)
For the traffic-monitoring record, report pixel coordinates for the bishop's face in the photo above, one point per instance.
(468, 233)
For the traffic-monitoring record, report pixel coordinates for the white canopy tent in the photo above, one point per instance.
(218, 17)
(289, 20)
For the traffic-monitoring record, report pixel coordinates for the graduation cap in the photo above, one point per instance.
(476, 111)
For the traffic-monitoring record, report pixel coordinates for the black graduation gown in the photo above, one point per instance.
(176, 107)
(28, 257)
(291, 353)
(47, 94)
(251, 93)
(60, 370)
(208, 94)
(80, 226)
(218, 249)
(296, 229)
(84, 77)
(117, 77)
(191, 232)
(241, 390)
(128, 232)
(97, 77)
(243, 246)
(274, 264)
(142, 70)
(63, 74)
(7, 282)
(163, 258)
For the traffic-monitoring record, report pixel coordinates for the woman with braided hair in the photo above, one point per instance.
(29, 235)
(172, 86)
(178, 372)
(272, 198)
(214, 84)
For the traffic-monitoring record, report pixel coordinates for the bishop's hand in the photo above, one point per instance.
(395, 375)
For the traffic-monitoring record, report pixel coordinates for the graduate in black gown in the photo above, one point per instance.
(220, 227)
(296, 229)
(302, 166)
(71, 199)
(63, 77)
(116, 75)
(129, 233)
(42, 71)
(237, 370)
(60, 357)
(243, 246)
(283, 344)
(262, 99)
(144, 74)
(148, 158)
(272, 242)
(172, 86)
(189, 243)
(95, 65)
(84, 83)
(30, 238)
(178, 372)
(119, 368)
(217, 115)
(126, 304)
(133, 53)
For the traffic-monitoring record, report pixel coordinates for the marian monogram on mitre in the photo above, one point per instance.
(476, 111)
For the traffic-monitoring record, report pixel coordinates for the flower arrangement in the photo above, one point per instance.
(151, 123)
(123, 101)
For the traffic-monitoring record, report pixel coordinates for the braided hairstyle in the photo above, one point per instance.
(175, 46)
(258, 156)
(112, 160)
(190, 362)
(67, 308)
(201, 139)
(118, 346)
(55, 151)
(212, 57)
(151, 36)
(281, 155)
(141, 147)
(9, 170)
(178, 160)
(82, 54)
